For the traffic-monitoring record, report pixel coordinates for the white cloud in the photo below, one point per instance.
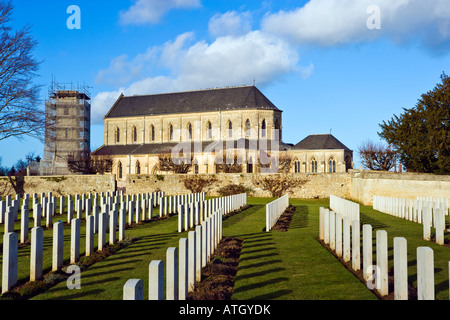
(336, 22)
(231, 23)
(151, 11)
(227, 61)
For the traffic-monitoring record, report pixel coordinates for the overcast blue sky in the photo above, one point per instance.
(316, 60)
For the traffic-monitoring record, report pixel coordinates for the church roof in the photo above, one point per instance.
(164, 148)
(320, 142)
(211, 100)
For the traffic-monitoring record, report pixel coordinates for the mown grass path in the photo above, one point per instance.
(289, 265)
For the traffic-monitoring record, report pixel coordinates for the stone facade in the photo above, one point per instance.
(139, 129)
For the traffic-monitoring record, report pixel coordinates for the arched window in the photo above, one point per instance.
(263, 129)
(134, 133)
(190, 131)
(138, 167)
(117, 135)
(278, 129)
(170, 132)
(230, 129)
(248, 128)
(332, 165)
(250, 165)
(152, 133)
(297, 166)
(196, 168)
(314, 165)
(209, 130)
(119, 170)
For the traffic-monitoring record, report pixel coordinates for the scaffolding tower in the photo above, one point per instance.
(67, 132)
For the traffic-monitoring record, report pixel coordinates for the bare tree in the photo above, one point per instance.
(83, 163)
(228, 163)
(19, 97)
(376, 156)
(278, 184)
(177, 166)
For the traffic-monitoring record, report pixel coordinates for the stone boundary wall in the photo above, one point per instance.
(317, 185)
(58, 185)
(366, 184)
(358, 186)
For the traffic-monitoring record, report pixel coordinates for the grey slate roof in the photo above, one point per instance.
(223, 99)
(162, 148)
(320, 142)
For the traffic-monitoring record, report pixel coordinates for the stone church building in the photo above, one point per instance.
(231, 125)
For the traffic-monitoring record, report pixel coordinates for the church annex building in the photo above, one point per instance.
(139, 130)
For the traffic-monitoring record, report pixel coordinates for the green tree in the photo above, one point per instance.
(420, 135)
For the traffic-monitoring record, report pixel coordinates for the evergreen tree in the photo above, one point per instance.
(421, 134)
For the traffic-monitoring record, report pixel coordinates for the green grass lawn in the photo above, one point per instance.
(289, 265)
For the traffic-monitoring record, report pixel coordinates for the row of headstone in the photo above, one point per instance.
(10, 251)
(426, 211)
(183, 265)
(345, 207)
(344, 239)
(274, 210)
(410, 209)
(193, 213)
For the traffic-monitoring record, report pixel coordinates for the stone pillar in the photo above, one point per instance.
(356, 245)
(133, 290)
(332, 230)
(346, 239)
(75, 241)
(400, 269)
(326, 226)
(191, 261)
(58, 246)
(321, 221)
(112, 227)
(122, 223)
(156, 280)
(425, 273)
(102, 231)
(37, 250)
(367, 252)
(183, 269)
(10, 260)
(172, 274)
(198, 254)
(339, 234)
(382, 262)
(89, 235)
(24, 224)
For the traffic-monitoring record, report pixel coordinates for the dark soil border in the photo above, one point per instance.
(412, 290)
(218, 275)
(284, 222)
(25, 290)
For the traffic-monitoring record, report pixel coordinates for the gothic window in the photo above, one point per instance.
(209, 130)
(248, 128)
(263, 129)
(230, 129)
(250, 165)
(138, 167)
(134, 133)
(332, 165)
(117, 135)
(297, 166)
(119, 170)
(152, 133)
(190, 131)
(314, 165)
(170, 132)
